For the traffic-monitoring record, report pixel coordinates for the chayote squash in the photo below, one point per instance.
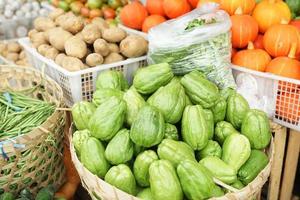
(223, 130)
(199, 89)
(219, 169)
(175, 151)
(103, 94)
(225, 93)
(256, 128)
(79, 137)
(122, 178)
(120, 149)
(147, 80)
(236, 150)
(211, 149)
(196, 181)
(141, 167)
(145, 194)
(164, 182)
(134, 102)
(108, 119)
(171, 132)
(238, 185)
(194, 128)
(111, 79)
(210, 123)
(82, 112)
(237, 108)
(219, 110)
(137, 149)
(148, 129)
(170, 100)
(257, 161)
(93, 158)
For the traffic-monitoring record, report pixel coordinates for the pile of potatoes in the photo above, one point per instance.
(74, 45)
(13, 52)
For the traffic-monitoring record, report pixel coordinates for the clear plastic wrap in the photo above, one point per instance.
(205, 47)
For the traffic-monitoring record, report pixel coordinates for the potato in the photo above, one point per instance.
(51, 53)
(113, 47)
(113, 34)
(90, 33)
(22, 62)
(94, 59)
(101, 47)
(12, 56)
(3, 47)
(112, 58)
(133, 46)
(56, 13)
(43, 48)
(59, 58)
(22, 55)
(79, 35)
(43, 23)
(13, 47)
(72, 64)
(58, 37)
(32, 32)
(73, 24)
(38, 39)
(101, 23)
(75, 47)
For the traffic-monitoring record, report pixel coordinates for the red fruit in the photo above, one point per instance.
(155, 7)
(133, 15)
(151, 21)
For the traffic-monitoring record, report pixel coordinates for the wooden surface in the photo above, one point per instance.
(290, 168)
(275, 177)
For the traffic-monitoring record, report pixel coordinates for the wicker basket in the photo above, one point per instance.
(33, 160)
(99, 189)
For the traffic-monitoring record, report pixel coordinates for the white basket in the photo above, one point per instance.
(279, 97)
(80, 85)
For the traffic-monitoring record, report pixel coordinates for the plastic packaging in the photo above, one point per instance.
(205, 46)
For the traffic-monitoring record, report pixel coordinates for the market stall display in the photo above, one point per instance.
(12, 53)
(31, 131)
(149, 138)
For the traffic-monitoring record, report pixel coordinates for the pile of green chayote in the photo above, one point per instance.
(166, 137)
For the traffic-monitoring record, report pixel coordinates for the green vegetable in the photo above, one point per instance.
(237, 108)
(196, 181)
(219, 169)
(120, 149)
(64, 5)
(256, 128)
(199, 22)
(103, 94)
(219, 110)
(171, 132)
(175, 151)
(170, 100)
(211, 149)
(164, 182)
(238, 185)
(145, 194)
(257, 161)
(46, 193)
(187, 101)
(147, 80)
(121, 177)
(210, 122)
(141, 167)
(226, 92)
(111, 79)
(294, 6)
(148, 128)
(7, 196)
(108, 119)
(223, 130)
(236, 150)
(82, 112)
(93, 157)
(137, 149)
(194, 128)
(134, 103)
(25, 193)
(79, 137)
(199, 89)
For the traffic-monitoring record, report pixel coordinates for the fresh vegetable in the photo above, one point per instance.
(219, 110)
(148, 128)
(294, 7)
(222, 130)
(141, 167)
(238, 185)
(103, 94)
(90, 33)
(81, 113)
(211, 149)
(94, 59)
(133, 46)
(145, 194)
(121, 177)
(79, 137)
(113, 34)
(7, 196)
(45, 193)
(208, 115)
(164, 182)
(232, 5)
(171, 132)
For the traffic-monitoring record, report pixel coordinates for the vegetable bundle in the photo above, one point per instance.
(169, 135)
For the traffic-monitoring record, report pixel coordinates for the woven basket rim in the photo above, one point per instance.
(7, 144)
(246, 192)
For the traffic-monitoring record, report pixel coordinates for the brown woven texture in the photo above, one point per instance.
(40, 163)
(99, 189)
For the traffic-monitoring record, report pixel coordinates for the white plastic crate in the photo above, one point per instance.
(279, 97)
(78, 85)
